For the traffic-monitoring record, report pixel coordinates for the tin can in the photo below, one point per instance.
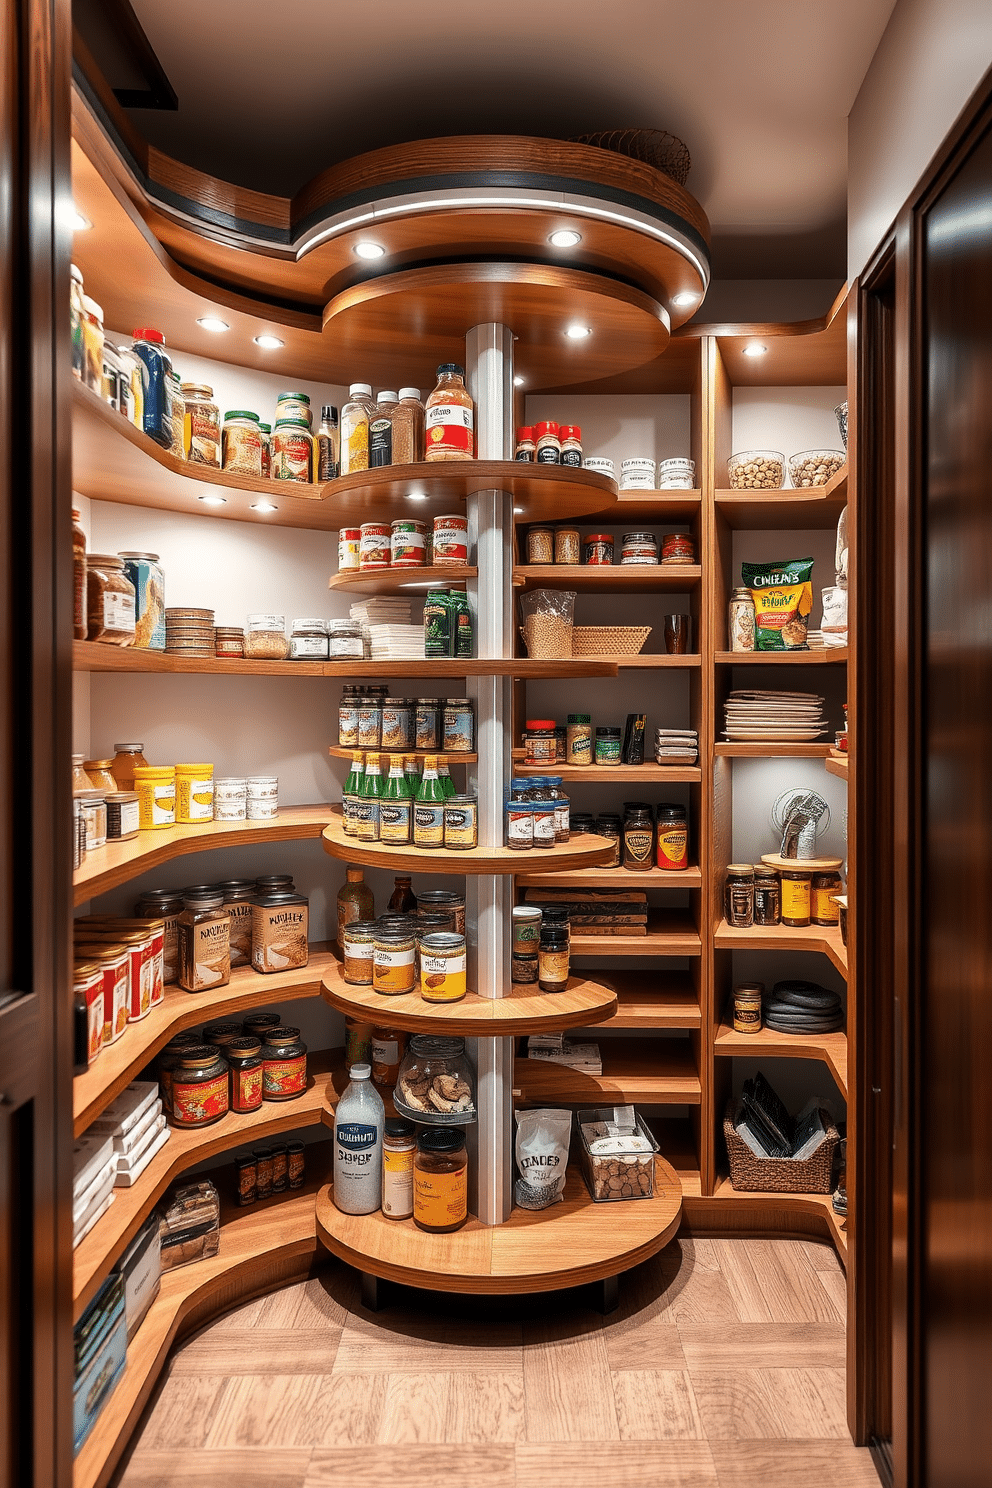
(428, 824)
(428, 724)
(442, 968)
(678, 547)
(348, 719)
(397, 724)
(450, 541)
(747, 1007)
(599, 549)
(369, 723)
(461, 822)
(408, 543)
(374, 547)
(349, 549)
(395, 821)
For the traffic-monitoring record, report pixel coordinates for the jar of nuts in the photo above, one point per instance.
(756, 470)
(815, 467)
(617, 1152)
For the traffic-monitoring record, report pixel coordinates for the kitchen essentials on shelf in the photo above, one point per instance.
(78, 577)
(553, 1048)
(461, 823)
(568, 547)
(386, 1049)
(408, 543)
(123, 818)
(637, 474)
(609, 640)
(600, 464)
(407, 421)
(639, 549)
(148, 345)
(754, 470)
(156, 788)
(284, 1064)
(199, 1093)
(291, 450)
(790, 717)
(738, 896)
(540, 545)
(616, 1150)
(638, 840)
(358, 952)
(450, 541)
(344, 639)
(548, 616)
(238, 899)
(355, 416)
(632, 749)
(676, 474)
(262, 797)
(783, 598)
(241, 443)
(607, 745)
(824, 888)
(393, 961)
(796, 897)
(399, 1145)
(358, 1133)
(436, 1084)
(741, 620)
(767, 895)
(126, 757)
(374, 548)
(110, 601)
(599, 549)
(327, 445)
(357, 1041)
(355, 901)
(771, 1152)
(440, 1182)
(677, 548)
(578, 749)
(189, 632)
(570, 436)
(678, 634)
(265, 637)
(539, 741)
(747, 1007)
(145, 574)
(294, 406)
(194, 793)
(442, 968)
(801, 1007)
(553, 957)
(244, 1063)
(672, 838)
(349, 549)
(676, 746)
(525, 447)
(308, 639)
(201, 431)
(450, 417)
(99, 775)
(815, 467)
(458, 725)
(547, 443)
(204, 941)
(280, 924)
(231, 799)
(541, 1151)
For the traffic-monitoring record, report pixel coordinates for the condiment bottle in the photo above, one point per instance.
(526, 448)
(328, 442)
(552, 958)
(638, 841)
(548, 443)
(358, 1129)
(450, 417)
(747, 1007)
(381, 431)
(402, 900)
(673, 838)
(122, 766)
(355, 900)
(795, 897)
(399, 1146)
(578, 748)
(571, 445)
(440, 1181)
(355, 416)
(408, 428)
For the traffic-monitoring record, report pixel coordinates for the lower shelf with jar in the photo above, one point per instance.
(566, 1245)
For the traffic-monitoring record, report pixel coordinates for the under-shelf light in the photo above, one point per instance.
(213, 500)
(685, 298)
(366, 249)
(264, 506)
(268, 343)
(518, 382)
(566, 238)
(518, 511)
(212, 323)
(416, 496)
(578, 332)
(77, 222)
(755, 349)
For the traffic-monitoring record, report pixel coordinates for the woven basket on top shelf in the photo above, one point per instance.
(656, 147)
(751, 1174)
(609, 640)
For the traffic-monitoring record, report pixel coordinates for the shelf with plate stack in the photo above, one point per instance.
(817, 508)
(771, 749)
(610, 578)
(119, 1063)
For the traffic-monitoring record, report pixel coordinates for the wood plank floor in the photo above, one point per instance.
(723, 1368)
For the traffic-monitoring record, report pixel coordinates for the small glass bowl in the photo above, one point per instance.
(815, 467)
(756, 470)
(436, 1085)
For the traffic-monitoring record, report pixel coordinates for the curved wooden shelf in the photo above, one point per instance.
(94, 1255)
(825, 656)
(770, 749)
(118, 1064)
(768, 1043)
(619, 878)
(583, 852)
(823, 938)
(837, 762)
(456, 757)
(657, 506)
(655, 1072)
(539, 492)
(812, 510)
(399, 580)
(524, 1010)
(611, 774)
(613, 578)
(730, 1212)
(811, 865)
(653, 999)
(117, 863)
(571, 1243)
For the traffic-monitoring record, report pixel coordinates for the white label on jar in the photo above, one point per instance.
(544, 826)
(449, 413)
(266, 622)
(128, 815)
(375, 542)
(301, 647)
(233, 809)
(347, 646)
(118, 611)
(263, 785)
(439, 965)
(262, 810)
(384, 956)
(519, 827)
(200, 809)
(164, 815)
(385, 1051)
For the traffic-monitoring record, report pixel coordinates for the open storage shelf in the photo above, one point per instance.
(615, 878)
(652, 999)
(670, 932)
(454, 757)
(399, 580)
(812, 510)
(655, 1072)
(773, 1214)
(771, 749)
(767, 1043)
(824, 938)
(605, 774)
(823, 656)
(656, 506)
(613, 578)
(837, 762)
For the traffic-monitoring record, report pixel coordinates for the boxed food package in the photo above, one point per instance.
(189, 1224)
(141, 1268)
(617, 1153)
(100, 1352)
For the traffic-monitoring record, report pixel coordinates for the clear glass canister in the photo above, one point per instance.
(436, 1086)
(110, 602)
(308, 641)
(345, 639)
(440, 1182)
(265, 637)
(740, 620)
(567, 545)
(201, 431)
(292, 450)
(241, 443)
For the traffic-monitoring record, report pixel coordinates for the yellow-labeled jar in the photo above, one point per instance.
(442, 968)
(393, 958)
(194, 793)
(156, 787)
(440, 1180)
(795, 897)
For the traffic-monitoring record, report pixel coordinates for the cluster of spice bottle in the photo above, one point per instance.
(230, 1066)
(397, 429)
(405, 806)
(759, 894)
(541, 946)
(404, 543)
(415, 942)
(577, 743)
(369, 719)
(565, 545)
(549, 443)
(538, 813)
(644, 836)
(265, 1171)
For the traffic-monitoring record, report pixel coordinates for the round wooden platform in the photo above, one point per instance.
(525, 1010)
(535, 1251)
(586, 851)
(539, 492)
(802, 865)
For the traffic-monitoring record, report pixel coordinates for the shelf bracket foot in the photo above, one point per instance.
(373, 1292)
(606, 1295)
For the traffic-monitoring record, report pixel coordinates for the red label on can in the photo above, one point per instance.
(195, 1105)
(284, 1077)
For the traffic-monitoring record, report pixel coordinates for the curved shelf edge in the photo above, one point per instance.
(455, 757)
(765, 1216)
(767, 1043)
(593, 852)
(822, 938)
(399, 580)
(586, 1239)
(524, 1011)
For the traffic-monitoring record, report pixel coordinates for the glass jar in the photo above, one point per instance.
(91, 321)
(540, 545)
(99, 773)
(447, 901)
(386, 1049)
(294, 406)
(578, 739)
(539, 741)
(204, 942)
(823, 909)
(461, 823)
(638, 841)
(110, 603)
(308, 641)
(520, 825)
(348, 719)
(450, 417)
(571, 454)
(795, 897)
(393, 961)
(219, 1035)
(244, 1061)
(673, 838)
(241, 443)
(280, 927)
(265, 637)
(292, 451)
(408, 427)
(345, 639)
(552, 958)
(201, 432)
(427, 724)
(458, 726)
(525, 449)
(78, 578)
(440, 1182)
(548, 443)
(747, 1007)
(399, 1144)
(599, 549)
(397, 724)
(767, 896)
(123, 815)
(199, 1087)
(177, 408)
(355, 428)
(284, 1065)
(677, 548)
(567, 548)
(116, 387)
(610, 826)
(738, 896)
(122, 766)
(442, 968)
(639, 548)
(436, 1085)
(156, 788)
(740, 620)
(93, 804)
(239, 896)
(562, 807)
(607, 746)
(229, 642)
(167, 905)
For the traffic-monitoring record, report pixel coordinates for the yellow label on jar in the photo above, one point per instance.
(392, 970)
(397, 1183)
(194, 799)
(156, 804)
(442, 978)
(825, 911)
(795, 898)
(673, 843)
(440, 1199)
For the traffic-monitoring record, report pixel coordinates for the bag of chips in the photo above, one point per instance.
(542, 1157)
(783, 599)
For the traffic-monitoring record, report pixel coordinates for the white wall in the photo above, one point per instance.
(646, 425)
(931, 57)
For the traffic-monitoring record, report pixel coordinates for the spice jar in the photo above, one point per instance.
(199, 1094)
(220, 1034)
(610, 826)
(747, 1007)
(571, 450)
(823, 908)
(599, 549)
(738, 896)
(265, 637)
(178, 410)
(358, 952)
(450, 417)
(427, 724)
(795, 897)
(110, 602)
(165, 905)
(201, 429)
(91, 322)
(284, 1065)
(673, 838)
(540, 545)
(344, 638)
(385, 1054)
(457, 726)
(562, 808)
(355, 428)
(244, 1061)
(93, 806)
(156, 788)
(408, 428)
(539, 741)
(740, 620)
(296, 1158)
(291, 451)
(399, 1145)
(393, 957)
(548, 446)
(461, 823)
(525, 449)
(553, 958)
(241, 443)
(446, 901)
(263, 1171)
(204, 941)
(442, 968)
(280, 1168)
(294, 406)
(607, 746)
(396, 732)
(578, 739)
(194, 793)
(676, 548)
(567, 548)
(520, 824)
(245, 1180)
(280, 924)
(638, 840)
(123, 816)
(308, 641)
(767, 896)
(78, 578)
(440, 1181)
(126, 757)
(639, 548)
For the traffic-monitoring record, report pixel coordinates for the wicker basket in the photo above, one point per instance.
(656, 147)
(750, 1174)
(609, 640)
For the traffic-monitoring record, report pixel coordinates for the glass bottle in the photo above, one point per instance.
(408, 428)
(444, 776)
(403, 899)
(450, 417)
(440, 1180)
(328, 444)
(355, 417)
(358, 1128)
(428, 813)
(355, 900)
(352, 793)
(381, 431)
(122, 767)
(396, 807)
(412, 771)
(367, 815)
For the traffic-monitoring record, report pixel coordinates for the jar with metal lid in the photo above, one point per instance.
(246, 1179)
(110, 602)
(257, 1025)
(408, 543)
(638, 841)
(204, 942)
(156, 788)
(93, 804)
(599, 549)
(168, 1061)
(386, 1049)
(280, 928)
(436, 1083)
(348, 718)
(578, 739)
(796, 897)
(194, 792)
(220, 1034)
(449, 417)
(639, 548)
(294, 406)
(199, 1087)
(122, 815)
(126, 757)
(738, 896)
(393, 961)
(823, 908)
(345, 639)
(677, 548)
(442, 968)
(567, 546)
(553, 957)
(740, 620)
(543, 814)
(201, 432)
(461, 823)
(608, 746)
(399, 1144)
(458, 726)
(284, 1065)
(520, 825)
(265, 637)
(370, 722)
(767, 895)
(291, 448)
(358, 952)
(100, 775)
(571, 453)
(539, 741)
(540, 545)
(238, 901)
(547, 443)
(747, 1007)
(582, 823)
(440, 1181)
(78, 577)
(610, 826)
(549, 788)
(448, 901)
(397, 723)
(241, 443)
(673, 838)
(167, 905)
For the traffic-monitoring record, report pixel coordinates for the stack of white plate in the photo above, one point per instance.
(790, 717)
(675, 746)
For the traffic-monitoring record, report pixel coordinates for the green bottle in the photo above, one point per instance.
(437, 624)
(428, 811)
(447, 784)
(412, 772)
(396, 806)
(367, 808)
(352, 791)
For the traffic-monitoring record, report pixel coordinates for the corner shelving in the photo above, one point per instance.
(767, 1043)
(604, 774)
(823, 938)
(615, 578)
(836, 763)
(670, 932)
(815, 509)
(399, 580)
(451, 757)
(654, 1072)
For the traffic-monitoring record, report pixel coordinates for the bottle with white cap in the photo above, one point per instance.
(355, 417)
(381, 431)
(358, 1126)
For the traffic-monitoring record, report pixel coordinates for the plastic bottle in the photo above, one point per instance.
(381, 431)
(328, 444)
(358, 1126)
(355, 417)
(149, 345)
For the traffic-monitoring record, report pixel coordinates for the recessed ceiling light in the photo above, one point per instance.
(518, 382)
(214, 500)
(755, 349)
(77, 222)
(578, 332)
(264, 506)
(565, 239)
(685, 298)
(269, 343)
(369, 250)
(518, 511)
(416, 496)
(212, 323)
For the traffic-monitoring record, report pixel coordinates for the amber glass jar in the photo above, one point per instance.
(388, 1048)
(244, 1060)
(99, 773)
(823, 909)
(199, 1087)
(110, 605)
(440, 1181)
(795, 897)
(78, 578)
(122, 766)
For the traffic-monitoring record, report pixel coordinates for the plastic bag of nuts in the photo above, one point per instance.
(756, 470)
(617, 1152)
(547, 629)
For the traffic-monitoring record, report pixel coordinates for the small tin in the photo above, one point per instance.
(122, 816)
(747, 1007)
(458, 726)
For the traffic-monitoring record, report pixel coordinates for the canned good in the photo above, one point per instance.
(349, 549)
(599, 549)
(348, 723)
(369, 723)
(428, 724)
(442, 968)
(393, 961)
(397, 724)
(428, 824)
(408, 543)
(458, 726)
(639, 547)
(461, 822)
(374, 545)
(194, 793)
(678, 547)
(450, 541)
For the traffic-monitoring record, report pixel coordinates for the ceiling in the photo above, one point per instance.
(269, 94)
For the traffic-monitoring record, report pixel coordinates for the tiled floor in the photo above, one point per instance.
(723, 1368)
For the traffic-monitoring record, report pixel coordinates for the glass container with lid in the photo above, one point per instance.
(201, 428)
(308, 641)
(199, 1087)
(110, 601)
(126, 757)
(436, 1085)
(450, 417)
(204, 941)
(440, 1182)
(241, 442)
(284, 1065)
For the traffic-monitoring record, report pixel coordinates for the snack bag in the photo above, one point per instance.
(783, 599)
(542, 1157)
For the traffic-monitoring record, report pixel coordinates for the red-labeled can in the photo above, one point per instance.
(599, 549)
(678, 547)
(450, 541)
(374, 546)
(349, 549)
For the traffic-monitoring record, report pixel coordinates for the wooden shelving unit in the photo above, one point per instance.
(455, 757)
(614, 578)
(830, 1048)
(771, 749)
(827, 656)
(655, 506)
(670, 932)
(837, 762)
(654, 1072)
(400, 580)
(823, 938)
(619, 878)
(653, 1000)
(810, 510)
(603, 774)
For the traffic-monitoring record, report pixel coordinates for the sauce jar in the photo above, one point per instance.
(795, 897)
(397, 723)
(358, 953)
(767, 896)
(567, 547)
(571, 449)
(308, 639)
(386, 1048)
(408, 543)
(156, 788)
(428, 724)
(673, 838)
(99, 775)
(201, 427)
(110, 603)
(539, 741)
(442, 968)
(461, 823)
(284, 1065)
(375, 546)
(823, 908)
(199, 1087)
(677, 547)
(599, 549)
(244, 1061)
(399, 1146)
(393, 961)
(638, 841)
(747, 1007)
(450, 417)
(548, 447)
(525, 445)
(578, 739)
(292, 451)
(553, 958)
(457, 726)
(738, 896)
(440, 1181)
